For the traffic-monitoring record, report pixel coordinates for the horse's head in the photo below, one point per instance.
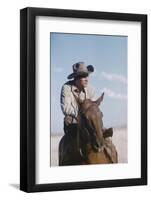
(91, 117)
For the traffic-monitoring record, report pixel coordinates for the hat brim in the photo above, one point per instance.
(74, 75)
(90, 69)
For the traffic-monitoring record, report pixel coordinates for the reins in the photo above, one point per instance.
(90, 130)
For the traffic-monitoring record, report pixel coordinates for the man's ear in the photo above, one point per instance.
(100, 99)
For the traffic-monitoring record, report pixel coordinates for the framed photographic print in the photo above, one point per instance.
(83, 99)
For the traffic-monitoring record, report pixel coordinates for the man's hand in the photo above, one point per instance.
(68, 120)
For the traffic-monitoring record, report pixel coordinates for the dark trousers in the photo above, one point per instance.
(71, 130)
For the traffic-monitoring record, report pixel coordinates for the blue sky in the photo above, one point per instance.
(108, 55)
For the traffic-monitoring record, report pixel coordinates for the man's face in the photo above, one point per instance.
(83, 81)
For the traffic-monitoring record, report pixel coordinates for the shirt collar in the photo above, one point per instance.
(76, 90)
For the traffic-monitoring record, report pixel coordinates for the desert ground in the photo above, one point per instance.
(119, 139)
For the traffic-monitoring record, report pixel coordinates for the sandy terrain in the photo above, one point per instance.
(119, 139)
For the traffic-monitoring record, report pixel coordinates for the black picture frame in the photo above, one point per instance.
(28, 99)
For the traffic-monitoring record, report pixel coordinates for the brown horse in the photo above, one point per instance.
(89, 145)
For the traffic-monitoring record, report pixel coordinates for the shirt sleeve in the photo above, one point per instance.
(66, 101)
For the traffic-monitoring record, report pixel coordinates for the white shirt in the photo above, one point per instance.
(68, 102)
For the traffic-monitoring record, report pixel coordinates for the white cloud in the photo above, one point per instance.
(114, 95)
(114, 77)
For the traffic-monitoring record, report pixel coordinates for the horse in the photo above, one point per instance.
(88, 145)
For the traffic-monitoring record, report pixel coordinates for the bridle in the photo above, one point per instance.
(89, 130)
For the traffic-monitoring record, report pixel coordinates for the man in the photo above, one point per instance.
(78, 88)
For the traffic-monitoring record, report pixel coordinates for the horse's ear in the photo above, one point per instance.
(100, 99)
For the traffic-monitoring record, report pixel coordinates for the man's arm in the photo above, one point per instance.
(66, 101)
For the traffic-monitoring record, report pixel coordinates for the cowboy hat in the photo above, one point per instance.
(80, 69)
